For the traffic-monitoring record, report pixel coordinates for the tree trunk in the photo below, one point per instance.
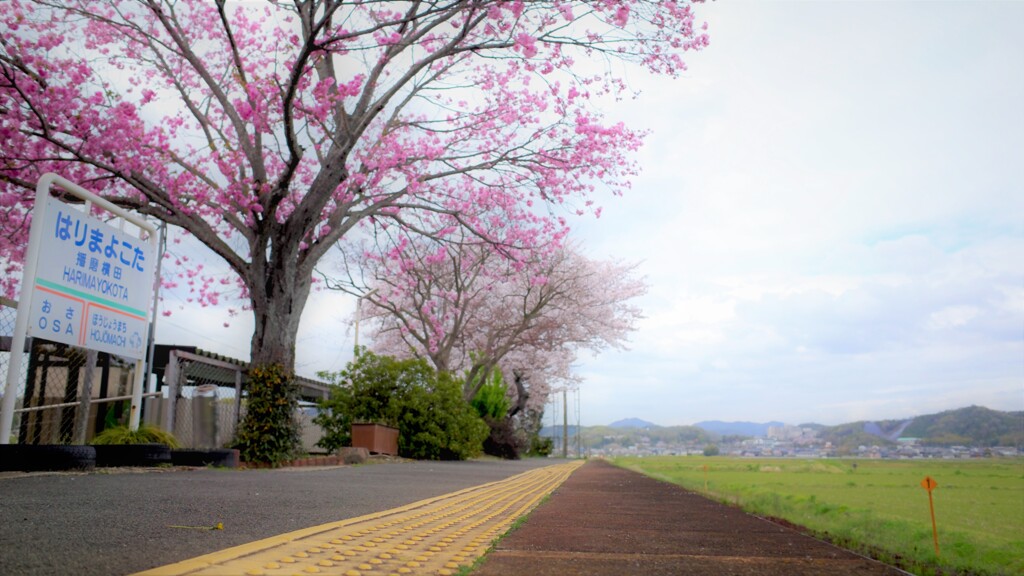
(278, 297)
(522, 395)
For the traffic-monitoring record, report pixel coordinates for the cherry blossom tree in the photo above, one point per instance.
(271, 132)
(470, 310)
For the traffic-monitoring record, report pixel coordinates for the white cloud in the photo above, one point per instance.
(830, 216)
(951, 317)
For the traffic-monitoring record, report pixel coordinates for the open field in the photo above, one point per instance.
(876, 506)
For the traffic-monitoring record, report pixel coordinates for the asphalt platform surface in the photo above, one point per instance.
(605, 520)
(121, 521)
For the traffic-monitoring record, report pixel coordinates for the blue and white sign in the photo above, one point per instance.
(93, 283)
(85, 283)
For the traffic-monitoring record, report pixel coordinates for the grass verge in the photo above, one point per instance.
(875, 507)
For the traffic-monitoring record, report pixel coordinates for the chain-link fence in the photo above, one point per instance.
(201, 404)
(204, 399)
(65, 394)
(8, 317)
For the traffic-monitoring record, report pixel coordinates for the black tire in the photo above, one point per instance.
(226, 458)
(132, 455)
(46, 457)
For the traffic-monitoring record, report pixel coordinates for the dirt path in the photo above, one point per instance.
(607, 520)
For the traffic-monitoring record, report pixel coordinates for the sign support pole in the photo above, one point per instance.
(30, 273)
(930, 484)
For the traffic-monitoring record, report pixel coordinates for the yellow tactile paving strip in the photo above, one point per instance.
(434, 536)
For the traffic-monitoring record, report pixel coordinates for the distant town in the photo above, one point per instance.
(972, 432)
(790, 441)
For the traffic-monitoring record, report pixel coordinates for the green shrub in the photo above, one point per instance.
(491, 401)
(541, 446)
(433, 420)
(492, 404)
(269, 431)
(144, 435)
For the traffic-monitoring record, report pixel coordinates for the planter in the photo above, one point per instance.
(108, 455)
(46, 457)
(353, 455)
(225, 458)
(376, 438)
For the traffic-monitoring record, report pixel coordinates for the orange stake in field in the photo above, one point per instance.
(929, 484)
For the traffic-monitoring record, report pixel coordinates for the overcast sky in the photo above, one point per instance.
(830, 218)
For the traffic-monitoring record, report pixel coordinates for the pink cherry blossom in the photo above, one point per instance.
(271, 134)
(469, 309)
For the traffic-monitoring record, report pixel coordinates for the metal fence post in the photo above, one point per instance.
(85, 401)
(171, 376)
(238, 398)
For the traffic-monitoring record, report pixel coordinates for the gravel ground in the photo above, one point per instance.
(609, 521)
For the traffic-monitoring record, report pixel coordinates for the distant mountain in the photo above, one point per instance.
(632, 423)
(652, 435)
(972, 426)
(737, 428)
(892, 431)
(847, 437)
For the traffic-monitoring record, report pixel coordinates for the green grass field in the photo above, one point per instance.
(876, 506)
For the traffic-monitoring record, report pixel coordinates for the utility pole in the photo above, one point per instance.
(565, 425)
(579, 428)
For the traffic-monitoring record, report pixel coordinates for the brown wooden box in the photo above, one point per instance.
(376, 438)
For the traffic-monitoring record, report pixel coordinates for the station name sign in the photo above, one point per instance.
(93, 283)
